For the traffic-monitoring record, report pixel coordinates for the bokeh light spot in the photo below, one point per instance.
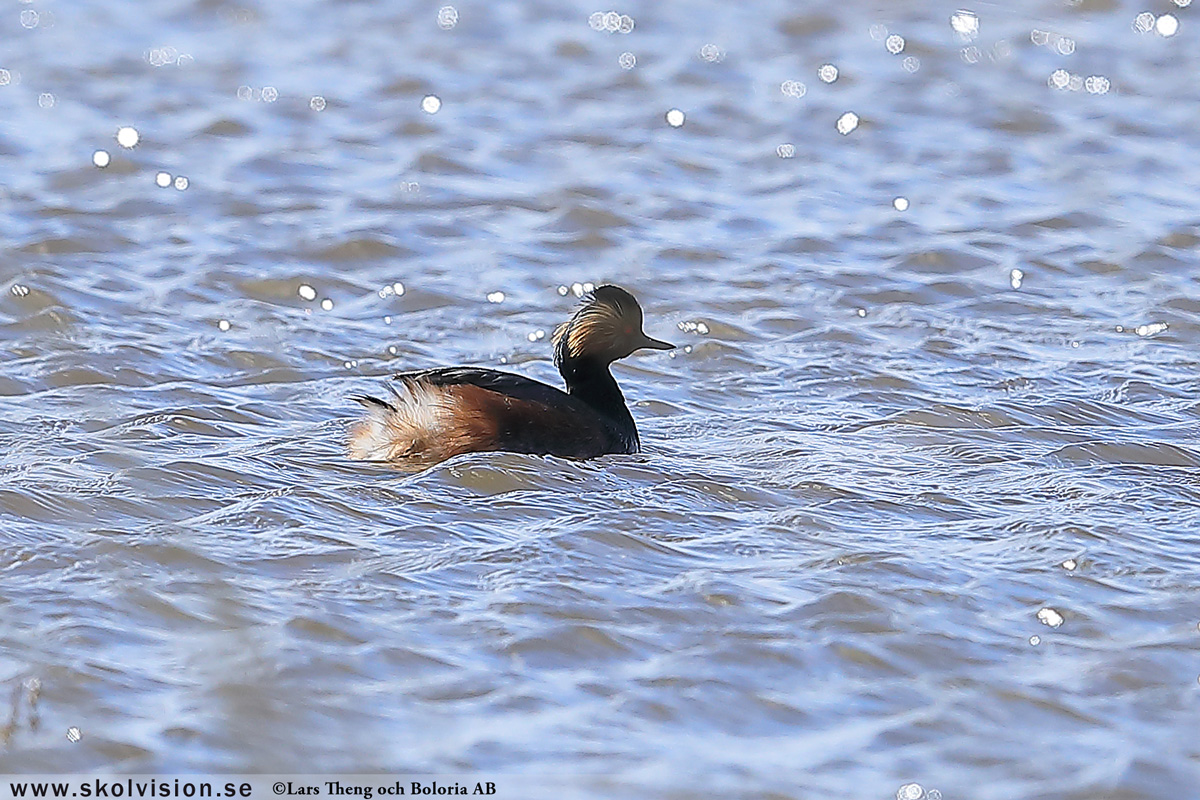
(965, 23)
(793, 88)
(1048, 616)
(128, 137)
(1166, 25)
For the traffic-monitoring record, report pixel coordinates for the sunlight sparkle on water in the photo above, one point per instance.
(101, 158)
(900, 204)
(1035, 640)
(270, 94)
(1143, 22)
(912, 63)
(495, 297)
(430, 103)
(1048, 616)
(675, 118)
(894, 44)
(828, 73)
(965, 23)
(30, 18)
(165, 56)
(847, 122)
(447, 17)
(785, 150)
(910, 791)
(711, 53)
(611, 22)
(19, 290)
(46, 100)
(1070, 564)
(1166, 25)
(317, 103)
(307, 292)
(223, 324)
(181, 183)
(162, 180)
(5, 77)
(1151, 329)
(793, 88)
(327, 304)
(1015, 277)
(1060, 79)
(127, 137)
(627, 60)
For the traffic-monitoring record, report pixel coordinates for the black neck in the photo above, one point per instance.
(589, 380)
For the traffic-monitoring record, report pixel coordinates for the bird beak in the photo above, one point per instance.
(654, 344)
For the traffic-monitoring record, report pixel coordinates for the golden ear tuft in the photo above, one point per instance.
(595, 329)
(559, 333)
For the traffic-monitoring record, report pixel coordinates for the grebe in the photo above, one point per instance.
(438, 413)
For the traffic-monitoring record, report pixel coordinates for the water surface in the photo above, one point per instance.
(918, 501)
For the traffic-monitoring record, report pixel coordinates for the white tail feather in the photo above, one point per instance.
(411, 424)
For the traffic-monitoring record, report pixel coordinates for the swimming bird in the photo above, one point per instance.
(434, 414)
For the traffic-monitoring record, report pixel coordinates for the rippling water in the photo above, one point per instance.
(919, 496)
